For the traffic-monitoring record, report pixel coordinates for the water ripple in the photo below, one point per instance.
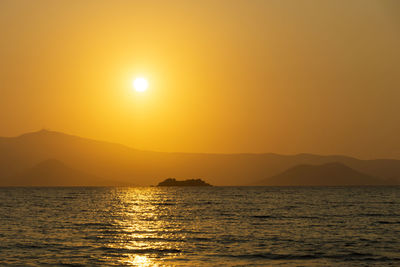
(230, 226)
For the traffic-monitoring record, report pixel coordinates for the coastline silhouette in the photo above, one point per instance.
(113, 162)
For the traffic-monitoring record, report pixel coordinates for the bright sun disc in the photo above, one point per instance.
(140, 84)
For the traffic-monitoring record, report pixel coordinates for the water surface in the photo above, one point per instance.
(237, 226)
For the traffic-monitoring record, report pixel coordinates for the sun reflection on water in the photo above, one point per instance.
(141, 233)
(138, 261)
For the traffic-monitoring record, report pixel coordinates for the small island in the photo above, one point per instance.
(189, 182)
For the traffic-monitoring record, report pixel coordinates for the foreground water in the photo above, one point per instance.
(354, 226)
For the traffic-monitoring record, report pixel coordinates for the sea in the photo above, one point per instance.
(200, 226)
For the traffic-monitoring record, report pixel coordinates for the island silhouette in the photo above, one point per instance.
(188, 182)
(60, 158)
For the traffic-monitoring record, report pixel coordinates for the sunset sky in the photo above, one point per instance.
(224, 76)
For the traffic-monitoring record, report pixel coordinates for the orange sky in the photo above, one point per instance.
(225, 76)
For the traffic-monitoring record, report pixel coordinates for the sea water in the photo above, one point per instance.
(194, 226)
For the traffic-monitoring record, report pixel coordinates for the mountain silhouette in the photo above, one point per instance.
(115, 162)
(329, 174)
(54, 173)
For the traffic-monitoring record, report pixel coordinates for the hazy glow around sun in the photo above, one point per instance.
(140, 84)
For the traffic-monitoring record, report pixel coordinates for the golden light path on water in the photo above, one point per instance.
(143, 230)
(138, 261)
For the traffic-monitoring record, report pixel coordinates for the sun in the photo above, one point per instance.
(140, 84)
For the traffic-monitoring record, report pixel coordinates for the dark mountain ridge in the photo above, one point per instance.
(52, 173)
(329, 174)
(117, 162)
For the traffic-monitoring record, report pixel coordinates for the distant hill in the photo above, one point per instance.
(54, 173)
(116, 162)
(329, 174)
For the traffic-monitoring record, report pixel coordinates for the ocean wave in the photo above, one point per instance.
(353, 256)
(140, 251)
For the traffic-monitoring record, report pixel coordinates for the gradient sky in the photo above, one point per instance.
(225, 76)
